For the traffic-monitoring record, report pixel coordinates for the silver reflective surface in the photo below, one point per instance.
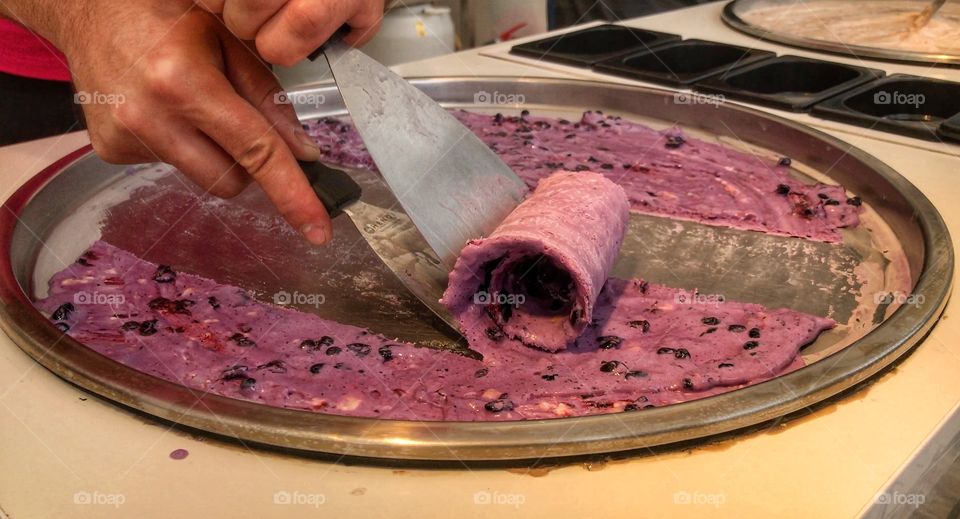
(902, 247)
(733, 16)
(450, 183)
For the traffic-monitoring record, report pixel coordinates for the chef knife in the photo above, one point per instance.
(390, 234)
(451, 185)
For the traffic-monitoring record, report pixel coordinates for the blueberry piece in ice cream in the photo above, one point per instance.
(164, 274)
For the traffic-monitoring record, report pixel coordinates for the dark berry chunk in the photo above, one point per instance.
(831, 201)
(749, 345)
(242, 340)
(644, 326)
(213, 302)
(609, 366)
(754, 333)
(148, 327)
(664, 351)
(608, 342)
(635, 374)
(681, 353)
(480, 373)
(674, 141)
(385, 352)
(309, 345)
(274, 366)
(234, 372)
(164, 274)
(576, 315)
(325, 341)
(726, 365)
(710, 321)
(62, 313)
(333, 350)
(783, 189)
(687, 383)
(130, 326)
(549, 378)
(631, 407)
(855, 201)
(248, 383)
(164, 305)
(736, 328)
(606, 165)
(709, 331)
(784, 161)
(359, 348)
(495, 334)
(315, 368)
(499, 405)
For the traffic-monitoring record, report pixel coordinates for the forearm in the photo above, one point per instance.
(48, 18)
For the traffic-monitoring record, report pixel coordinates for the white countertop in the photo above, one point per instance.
(59, 445)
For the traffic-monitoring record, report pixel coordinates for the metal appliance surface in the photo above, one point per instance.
(902, 249)
(733, 15)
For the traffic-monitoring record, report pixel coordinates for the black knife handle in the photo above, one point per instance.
(341, 32)
(335, 188)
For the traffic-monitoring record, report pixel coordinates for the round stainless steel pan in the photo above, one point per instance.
(733, 16)
(902, 247)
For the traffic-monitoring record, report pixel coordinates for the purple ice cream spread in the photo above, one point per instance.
(646, 345)
(663, 173)
(536, 277)
(613, 345)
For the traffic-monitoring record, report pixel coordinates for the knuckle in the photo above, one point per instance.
(305, 21)
(164, 76)
(107, 150)
(239, 26)
(131, 117)
(112, 142)
(273, 51)
(227, 189)
(258, 158)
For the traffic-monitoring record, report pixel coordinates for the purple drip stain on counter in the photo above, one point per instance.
(664, 173)
(646, 345)
(179, 454)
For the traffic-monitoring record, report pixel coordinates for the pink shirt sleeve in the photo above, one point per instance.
(24, 53)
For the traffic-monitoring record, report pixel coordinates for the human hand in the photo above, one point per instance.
(189, 93)
(286, 31)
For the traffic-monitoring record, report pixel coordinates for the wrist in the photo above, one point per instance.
(49, 18)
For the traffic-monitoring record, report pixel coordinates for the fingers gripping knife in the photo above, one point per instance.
(450, 184)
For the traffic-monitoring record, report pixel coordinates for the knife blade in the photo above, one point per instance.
(451, 185)
(391, 235)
